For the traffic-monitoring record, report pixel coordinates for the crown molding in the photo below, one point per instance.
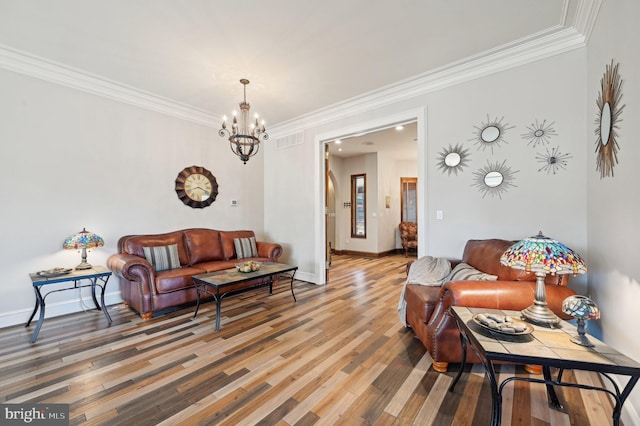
(537, 47)
(34, 66)
(577, 23)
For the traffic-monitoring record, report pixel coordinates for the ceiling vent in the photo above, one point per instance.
(290, 140)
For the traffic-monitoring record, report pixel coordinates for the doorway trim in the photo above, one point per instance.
(321, 139)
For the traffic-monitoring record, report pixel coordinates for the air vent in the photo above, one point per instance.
(290, 140)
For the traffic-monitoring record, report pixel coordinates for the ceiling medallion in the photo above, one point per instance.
(609, 110)
(244, 136)
(491, 133)
(539, 133)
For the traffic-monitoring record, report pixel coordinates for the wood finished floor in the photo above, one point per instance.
(337, 356)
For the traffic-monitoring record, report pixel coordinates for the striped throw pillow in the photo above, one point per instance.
(245, 247)
(162, 257)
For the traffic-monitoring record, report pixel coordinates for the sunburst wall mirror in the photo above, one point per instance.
(553, 160)
(494, 179)
(453, 159)
(490, 133)
(609, 111)
(539, 133)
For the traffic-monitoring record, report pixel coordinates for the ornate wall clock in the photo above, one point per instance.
(196, 187)
(609, 110)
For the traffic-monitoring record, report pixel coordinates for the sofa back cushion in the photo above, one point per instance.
(133, 244)
(228, 245)
(203, 245)
(484, 255)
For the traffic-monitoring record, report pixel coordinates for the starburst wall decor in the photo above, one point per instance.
(494, 179)
(490, 134)
(539, 133)
(453, 159)
(553, 160)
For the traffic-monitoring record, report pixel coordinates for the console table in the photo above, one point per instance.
(548, 347)
(97, 276)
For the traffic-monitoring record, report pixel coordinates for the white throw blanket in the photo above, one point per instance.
(430, 271)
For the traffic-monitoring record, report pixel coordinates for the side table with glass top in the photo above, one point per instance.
(548, 347)
(97, 276)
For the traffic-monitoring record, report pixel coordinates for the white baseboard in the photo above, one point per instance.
(20, 316)
(307, 277)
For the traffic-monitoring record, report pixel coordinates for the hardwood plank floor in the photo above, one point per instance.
(337, 356)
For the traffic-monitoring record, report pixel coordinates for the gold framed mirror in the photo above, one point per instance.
(609, 111)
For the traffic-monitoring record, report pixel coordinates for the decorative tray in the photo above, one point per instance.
(502, 324)
(55, 272)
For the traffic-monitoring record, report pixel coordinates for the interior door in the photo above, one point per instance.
(409, 199)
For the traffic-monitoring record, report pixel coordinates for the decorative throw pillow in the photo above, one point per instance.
(245, 247)
(162, 257)
(466, 272)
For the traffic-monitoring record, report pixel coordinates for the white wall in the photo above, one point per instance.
(388, 218)
(551, 89)
(613, 202)
(72, 160)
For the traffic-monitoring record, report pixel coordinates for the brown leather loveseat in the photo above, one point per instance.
(199, 251)
(427, 308)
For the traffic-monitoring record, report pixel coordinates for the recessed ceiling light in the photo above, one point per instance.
(400, 127)
(339, 149)
(338, 141)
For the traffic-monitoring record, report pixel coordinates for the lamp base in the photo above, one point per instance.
(540, 314)
(83, 266)
(581, 339)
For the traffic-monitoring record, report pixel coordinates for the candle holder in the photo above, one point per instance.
(582, 309)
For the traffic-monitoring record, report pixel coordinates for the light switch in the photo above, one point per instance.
(439, 215)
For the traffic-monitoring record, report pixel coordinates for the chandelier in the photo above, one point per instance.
(244, 136)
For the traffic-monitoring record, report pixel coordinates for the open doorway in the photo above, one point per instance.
(384, 155)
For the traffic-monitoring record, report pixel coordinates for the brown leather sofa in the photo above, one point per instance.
(427, 307)
(199, 250)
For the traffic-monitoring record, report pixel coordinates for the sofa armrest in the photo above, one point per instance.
(270, 250)
(133, 268)
(509, 295)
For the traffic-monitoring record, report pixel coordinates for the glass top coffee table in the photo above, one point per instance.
(548, 347)
(228, 282)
